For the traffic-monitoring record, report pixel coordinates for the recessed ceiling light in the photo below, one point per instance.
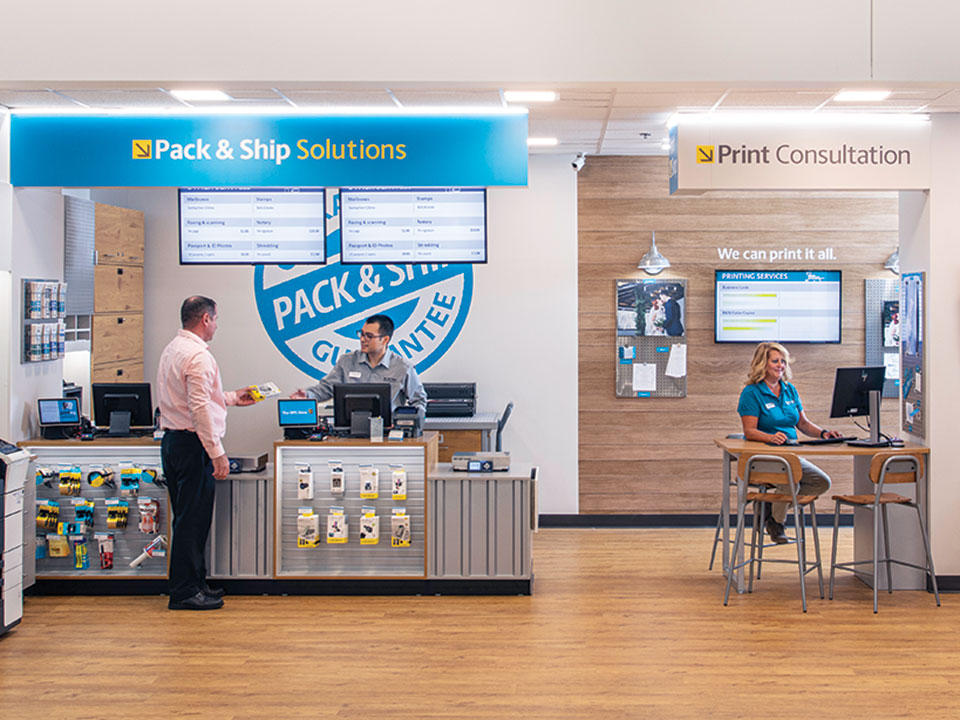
(861, 96)
(542, 141)
(200, 95)
(529, 95)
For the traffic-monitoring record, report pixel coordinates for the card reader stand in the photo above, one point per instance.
(360, 424)
(119, 424)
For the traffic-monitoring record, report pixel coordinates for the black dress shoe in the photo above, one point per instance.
(775, 530)
(200, 601)
(213, 592)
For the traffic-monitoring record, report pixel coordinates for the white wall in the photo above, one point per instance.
(147, 43)
(6, 278)
(929, 243)
(37, 238)
(519, 342)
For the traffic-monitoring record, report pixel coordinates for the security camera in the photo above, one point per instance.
(578, 162)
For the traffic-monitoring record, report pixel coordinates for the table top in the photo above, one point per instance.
(736, 446)
(479, 421)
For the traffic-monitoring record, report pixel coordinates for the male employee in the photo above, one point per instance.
(375, 363)
(193, 414)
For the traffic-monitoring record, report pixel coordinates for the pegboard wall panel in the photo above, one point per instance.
(129, 542)
(350, 559)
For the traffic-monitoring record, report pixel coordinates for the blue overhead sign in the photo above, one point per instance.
(268, 150)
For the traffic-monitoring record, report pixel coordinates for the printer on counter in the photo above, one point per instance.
(451, 399)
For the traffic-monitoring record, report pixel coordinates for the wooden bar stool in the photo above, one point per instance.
(780, 469)
(887, 467)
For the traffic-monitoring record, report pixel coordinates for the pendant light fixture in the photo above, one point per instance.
(653, 262)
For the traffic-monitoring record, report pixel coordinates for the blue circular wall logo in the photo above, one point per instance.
(312, 313)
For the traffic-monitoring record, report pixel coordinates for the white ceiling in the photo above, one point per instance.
(595, 119)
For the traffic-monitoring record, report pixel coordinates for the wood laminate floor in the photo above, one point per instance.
(622, 624)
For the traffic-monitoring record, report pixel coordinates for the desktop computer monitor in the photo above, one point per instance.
(297, 413)
(122, 407)
(856, 393)
(59, 417)
(355, 403)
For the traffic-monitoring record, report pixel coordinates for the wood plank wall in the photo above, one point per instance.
(650, 456)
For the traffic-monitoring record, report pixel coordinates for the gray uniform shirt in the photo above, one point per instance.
(405, 386)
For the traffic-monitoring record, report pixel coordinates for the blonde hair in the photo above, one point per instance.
(758, 366)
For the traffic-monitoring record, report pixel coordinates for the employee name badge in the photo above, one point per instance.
(399, 477)
(369, 526)
(336, 526)
(400, 528)
(369, 482)
(304, 482)
(353, 375)
(770, 406)
(337, 482)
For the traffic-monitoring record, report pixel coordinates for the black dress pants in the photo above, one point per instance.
(189, 475)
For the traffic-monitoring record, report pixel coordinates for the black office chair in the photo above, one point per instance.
(501, 423)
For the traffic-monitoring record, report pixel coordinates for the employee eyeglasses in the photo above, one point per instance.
(368, 336)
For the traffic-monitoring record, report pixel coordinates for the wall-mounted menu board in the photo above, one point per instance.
(262, 226)
(411, 225)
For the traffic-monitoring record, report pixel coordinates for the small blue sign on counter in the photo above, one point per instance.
(644, 394)
(663, 348)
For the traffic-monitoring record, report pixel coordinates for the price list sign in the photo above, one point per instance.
(252, 226)
(420, 225)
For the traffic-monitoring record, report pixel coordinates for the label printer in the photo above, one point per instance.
(451, 399)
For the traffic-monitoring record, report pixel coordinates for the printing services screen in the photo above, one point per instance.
(266, 226)
(297, 413)
(781, 306)
(430, 225)
(62, 411)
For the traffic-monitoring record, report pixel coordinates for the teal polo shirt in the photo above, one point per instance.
(774, 414)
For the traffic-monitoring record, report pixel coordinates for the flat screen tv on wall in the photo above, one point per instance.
(413, 225)
(252, 226)
(787, 306)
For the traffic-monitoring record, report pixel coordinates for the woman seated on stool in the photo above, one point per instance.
(771, 412)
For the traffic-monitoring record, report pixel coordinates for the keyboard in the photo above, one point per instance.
(826, 441)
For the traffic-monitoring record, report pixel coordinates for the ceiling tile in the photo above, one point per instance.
(455, 98)
(138, 98)
(34, 98)
(339, 98)
(775, 99)
(668, 100)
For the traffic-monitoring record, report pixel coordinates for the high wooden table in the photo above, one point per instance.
(905, 541)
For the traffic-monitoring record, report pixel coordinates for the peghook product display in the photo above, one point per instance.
(399, 477)
(400, 528)
(308, 528)
(304, 482)
(336, 526)
(337, 480)
(369, 526)
(369, 482)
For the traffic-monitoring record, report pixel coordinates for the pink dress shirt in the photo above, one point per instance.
(190, 392)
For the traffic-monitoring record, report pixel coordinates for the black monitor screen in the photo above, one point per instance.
(374, 398)
(851, 390)
(297, 412)
(133, 398)
(58, 411)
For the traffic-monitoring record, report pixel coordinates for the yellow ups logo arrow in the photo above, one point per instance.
(142, 149)
(704, 154)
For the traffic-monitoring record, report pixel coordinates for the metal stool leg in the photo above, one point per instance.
(886, 548)
(753, 543)
(926, 549)
(798, 528)
(876, 555)
(737, 544)
(816, 546)
(833, 553)
(716, 540)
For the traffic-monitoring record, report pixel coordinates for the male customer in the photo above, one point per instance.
(193, 415)
(375, 363)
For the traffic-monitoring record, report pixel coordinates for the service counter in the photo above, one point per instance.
(279, 530)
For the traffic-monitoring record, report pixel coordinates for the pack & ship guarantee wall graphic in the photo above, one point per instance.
(312, 313)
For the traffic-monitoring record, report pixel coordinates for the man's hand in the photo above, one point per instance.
(298, 395)
(244, 397)
(221, 467)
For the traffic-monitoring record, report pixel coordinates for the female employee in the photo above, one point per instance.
(771, 412)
